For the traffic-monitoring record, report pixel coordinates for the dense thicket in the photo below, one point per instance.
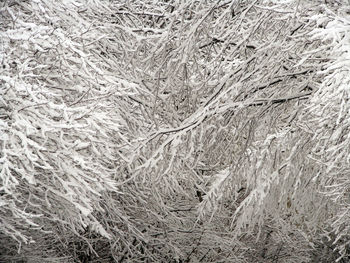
(174, 131)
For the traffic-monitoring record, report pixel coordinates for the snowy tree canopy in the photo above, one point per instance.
(174, 131)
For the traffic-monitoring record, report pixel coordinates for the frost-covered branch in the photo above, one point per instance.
(167, 131)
